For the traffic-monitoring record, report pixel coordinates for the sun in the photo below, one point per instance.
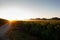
(14, 14)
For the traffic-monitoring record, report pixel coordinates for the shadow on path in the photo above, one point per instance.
(3, 29)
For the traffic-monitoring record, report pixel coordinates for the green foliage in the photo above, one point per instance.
(35, 30)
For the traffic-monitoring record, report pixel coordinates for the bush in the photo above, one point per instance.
(35, 30)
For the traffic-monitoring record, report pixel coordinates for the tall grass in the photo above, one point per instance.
(35, 30)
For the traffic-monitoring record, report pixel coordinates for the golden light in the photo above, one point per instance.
(11, 21)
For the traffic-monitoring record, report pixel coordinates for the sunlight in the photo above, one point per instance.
(10, 21)
(14, 14)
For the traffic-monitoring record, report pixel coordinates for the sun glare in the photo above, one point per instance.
(14, 14)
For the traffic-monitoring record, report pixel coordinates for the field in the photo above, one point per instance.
(34, 30)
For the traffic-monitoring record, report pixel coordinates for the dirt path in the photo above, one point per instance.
(3, 29)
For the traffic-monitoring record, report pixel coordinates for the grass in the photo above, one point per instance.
(35, 30)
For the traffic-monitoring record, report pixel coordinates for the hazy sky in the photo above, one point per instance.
(23, 9)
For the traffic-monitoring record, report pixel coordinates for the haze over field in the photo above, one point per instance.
(25, 9)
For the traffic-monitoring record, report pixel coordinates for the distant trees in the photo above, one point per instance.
(53, 18)
(35, 19)
(44, 18)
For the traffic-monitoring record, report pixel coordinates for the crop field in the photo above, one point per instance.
(35, 30)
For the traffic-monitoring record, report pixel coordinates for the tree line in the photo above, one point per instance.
(53, 18)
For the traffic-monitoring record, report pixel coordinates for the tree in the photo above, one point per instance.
(55, 18)
(35, 19)
(43, 18)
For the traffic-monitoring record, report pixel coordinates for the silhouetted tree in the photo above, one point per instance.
(55, 18)
(35, 19)
(43, 18)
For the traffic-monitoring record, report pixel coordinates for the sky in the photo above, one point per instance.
(25, 9)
